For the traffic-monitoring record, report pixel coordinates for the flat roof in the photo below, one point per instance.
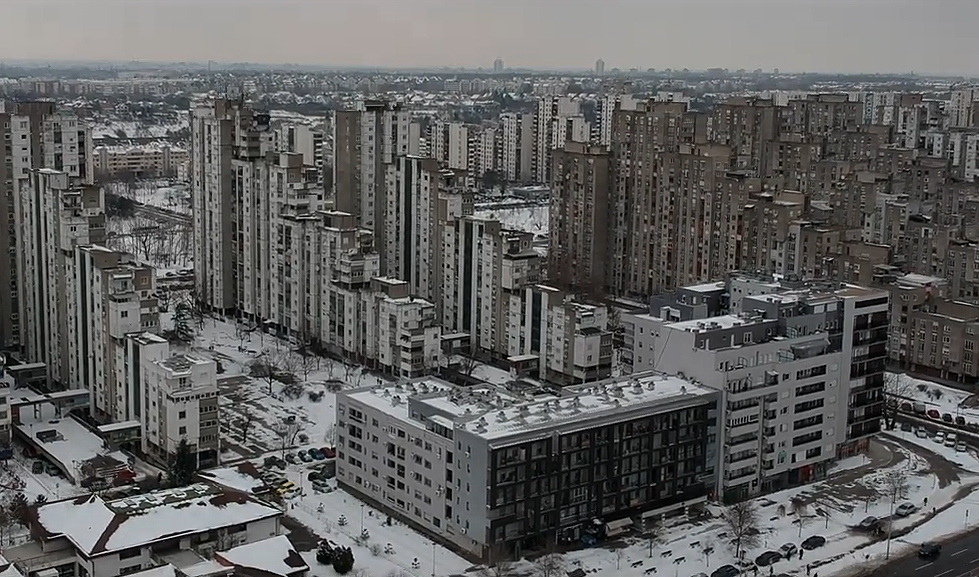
(97, 527)
(706, 287)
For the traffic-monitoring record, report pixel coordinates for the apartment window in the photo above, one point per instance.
(182, 415)
(182, 431)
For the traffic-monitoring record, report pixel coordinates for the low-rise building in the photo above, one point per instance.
(144, 161)
(496, 473)
(90, 536)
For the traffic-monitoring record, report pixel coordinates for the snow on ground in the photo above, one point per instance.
(933, 395)
(533, 219)
(161, 193)
(130, 129)
(967, 460)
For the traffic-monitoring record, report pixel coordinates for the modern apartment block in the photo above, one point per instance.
(10, 301)
(579, 218)
(149, 161)
(112, 297)
(56, 216)
(555, 115)
(485, 271)
(495, 473)
(800, 370)
(403, 337)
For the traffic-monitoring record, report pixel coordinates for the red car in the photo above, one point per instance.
(934, 414)
(329, 452)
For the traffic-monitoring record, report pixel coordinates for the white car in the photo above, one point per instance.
(905, 509)
(961, 447)
(921, 433)
(939, 437)
(950, 440)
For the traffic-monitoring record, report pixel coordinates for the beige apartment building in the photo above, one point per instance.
(148, 161)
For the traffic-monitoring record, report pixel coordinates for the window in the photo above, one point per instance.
(182, 415)
(182, 431)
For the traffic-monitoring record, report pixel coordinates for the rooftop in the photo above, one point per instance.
(706, 287)
(714, 323)
(97, 527)
(274, 556)
(495, 414)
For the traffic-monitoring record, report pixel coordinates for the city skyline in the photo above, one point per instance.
(695, 34)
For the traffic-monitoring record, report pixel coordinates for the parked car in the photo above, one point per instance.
(960, 421)
(929, 550)
(726, 571)
(947, 417)
(304, 457)
(291, 458)
(921, 433)
(939, 437)
(950, 440)
(906, 427)
(814, 542)
(788, 549)
(933, 414)
(316, 454)
(37, 467)
(905, 509)
(919, 408)
(329, 452)
(869, 523)
(906, 408)
(961, 447)
(767, 558)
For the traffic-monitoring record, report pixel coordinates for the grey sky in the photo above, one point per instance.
(814, 35)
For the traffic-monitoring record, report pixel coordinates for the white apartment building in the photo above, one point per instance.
(55, 217)
(304, 139)
(517, 148)
(963, 152)
(496, 473)
(403, 335)
(551, 130)
(145, 161)
(180, 402)
(800, 372)
(485, 271)
(959, 111)
(607, 107)
(112, 298)
(570, 339)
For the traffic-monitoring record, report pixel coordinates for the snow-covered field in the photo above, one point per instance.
(936, 396)
(161, 193)
(120, 129)
(533, 219)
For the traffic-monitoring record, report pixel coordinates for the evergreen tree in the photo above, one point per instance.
(343, 560)
(183, 464)
(20, 509)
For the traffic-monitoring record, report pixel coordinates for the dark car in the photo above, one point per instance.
(947, 417)
(906, 408)
(317, 454)
(929, 550)
(304, 457)
(960, 421)
(329, 452)
(767, 558)
(869, 523)
(291, 458)
(725, 571)
(906, 426)
(814, 542)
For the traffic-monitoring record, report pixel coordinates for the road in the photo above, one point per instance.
(959, 558)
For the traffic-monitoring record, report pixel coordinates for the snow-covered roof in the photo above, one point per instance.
(243, 477)
(274, 556)
(97, 527)
(167, 570)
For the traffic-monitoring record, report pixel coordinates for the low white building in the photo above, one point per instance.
(146, 161)
(91, 537)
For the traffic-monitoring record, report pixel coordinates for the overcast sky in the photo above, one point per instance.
(937, 36)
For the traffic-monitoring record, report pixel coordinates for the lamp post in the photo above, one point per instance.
(362, 518)
(433, 558)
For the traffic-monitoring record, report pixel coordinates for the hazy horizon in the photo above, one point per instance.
(842, 36)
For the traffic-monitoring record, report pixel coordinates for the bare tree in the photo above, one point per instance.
(330, 437)
(247, 418)
(652, 534)
(273, 365)
(305, 362)
(897, 389)
(468, 362)
(895, 484)
(619, 554)
(549, 565)
(287, 431)
(742, 521)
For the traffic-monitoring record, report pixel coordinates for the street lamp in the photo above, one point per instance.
(362, 518)
(433, 558)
